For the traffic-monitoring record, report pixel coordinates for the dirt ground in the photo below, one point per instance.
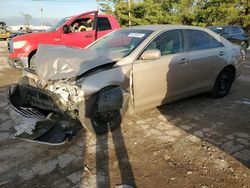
(197, 142)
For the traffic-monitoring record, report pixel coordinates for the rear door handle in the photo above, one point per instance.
(221, 53)
(184, 61)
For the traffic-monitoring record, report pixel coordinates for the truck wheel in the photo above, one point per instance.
(223, 83)
(32, 61)
(98, 122)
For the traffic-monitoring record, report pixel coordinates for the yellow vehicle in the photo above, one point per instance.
(4, 35)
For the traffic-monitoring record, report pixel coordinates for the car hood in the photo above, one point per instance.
(60, 62)
(30, 36)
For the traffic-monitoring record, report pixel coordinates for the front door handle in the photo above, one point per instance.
(221, 53)
(184, 61)
(89, 36)
(57, 39)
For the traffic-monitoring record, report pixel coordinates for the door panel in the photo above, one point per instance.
(155, 81)
(203, 67)
(158, 80)
(78, 39)
(206, 57)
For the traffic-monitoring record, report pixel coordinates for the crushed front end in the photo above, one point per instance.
(40, 115)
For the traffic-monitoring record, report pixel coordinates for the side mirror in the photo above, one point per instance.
(66, 29)
(151, 54)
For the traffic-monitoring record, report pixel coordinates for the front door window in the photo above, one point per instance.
(168, 43)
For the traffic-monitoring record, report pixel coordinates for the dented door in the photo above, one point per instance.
(154, 81)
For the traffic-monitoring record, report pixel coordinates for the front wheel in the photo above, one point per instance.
(223, 83)
(32, 62)
(98, 122)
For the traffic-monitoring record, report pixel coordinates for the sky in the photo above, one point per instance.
(10, 10)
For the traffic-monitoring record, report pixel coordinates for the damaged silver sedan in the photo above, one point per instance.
(128, 70)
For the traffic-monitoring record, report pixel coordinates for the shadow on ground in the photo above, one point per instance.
(223, 122)
(123, 167)
(25, 164)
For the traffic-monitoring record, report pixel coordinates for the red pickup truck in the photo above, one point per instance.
(76, 31)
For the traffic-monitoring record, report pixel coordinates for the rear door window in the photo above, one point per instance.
(214, 43)
(200, 40)
(236, 30)
(103, 24)
(226, 32)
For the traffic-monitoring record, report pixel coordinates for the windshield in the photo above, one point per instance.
(122, 41)
(58, 24)
(216, 29)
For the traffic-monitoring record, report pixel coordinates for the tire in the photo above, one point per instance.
(32, 62)
(223, 83)
(95, 122)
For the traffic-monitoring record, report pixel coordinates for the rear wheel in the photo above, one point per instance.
(223, 83)
(98, 122)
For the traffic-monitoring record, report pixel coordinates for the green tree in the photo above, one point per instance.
(217, 12)
(144, 13)
(184, 12)
(189, 12)
(246, 13)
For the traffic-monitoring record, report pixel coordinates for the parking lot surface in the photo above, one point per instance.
(196, 142)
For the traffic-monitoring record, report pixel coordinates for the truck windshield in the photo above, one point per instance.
(122, 41)
(58, 24)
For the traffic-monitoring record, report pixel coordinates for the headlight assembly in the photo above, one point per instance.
(19, 44)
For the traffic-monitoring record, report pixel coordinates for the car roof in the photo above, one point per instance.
(164, 27)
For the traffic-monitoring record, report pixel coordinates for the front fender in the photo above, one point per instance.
(111, 99)
(116, 76)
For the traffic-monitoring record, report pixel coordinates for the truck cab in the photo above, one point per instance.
(75, 31)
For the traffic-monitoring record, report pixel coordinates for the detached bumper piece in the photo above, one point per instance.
(38, 118)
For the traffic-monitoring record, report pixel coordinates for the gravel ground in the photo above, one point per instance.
(197, 142)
